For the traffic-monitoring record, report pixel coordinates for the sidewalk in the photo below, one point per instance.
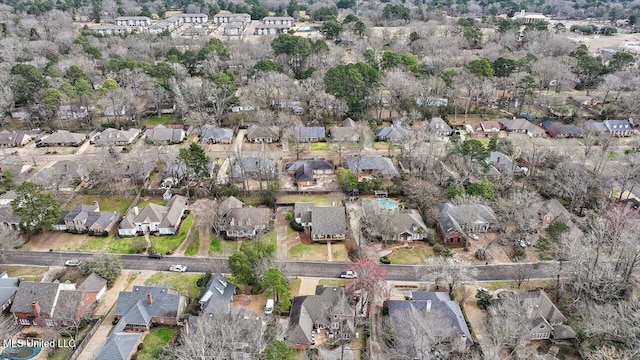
(107, 309)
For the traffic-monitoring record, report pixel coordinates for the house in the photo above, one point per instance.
(560, 130)
(329, 309)
(214, 135)
(217, 297)
(63, 138)
(194, 18)
(74, 112)
(233, 29)
(618, 128)
(120, 345)
(162, 135)
(431, 101)
(238, 221)
(50, 304)
(440, 127)
(390, 133)
(149, 305)
(110, 111)
(85, 218)
(347, 132)
(551, 211)
(504, 165)
(8, 197)
(13, 138)
(529, 17)
(9, 220)
(271, 29)
(484, 129)
(116, 137)
(8, 288)
(326, 223)
(154, 218)
(375, 166)
(295, 106)
(307, 170)
(279, 20)
(94, 285)
(222, 18)
(133, 21)
(456, 222)
(63, 175)
(309, 133)
(407, 223)
(111, 29)
(432, 310)
(252, 168)
(263, 134)
(522, 126)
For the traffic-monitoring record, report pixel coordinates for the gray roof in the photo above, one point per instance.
(617, 125)
(217, 297)
(503, 163)
(372, 163)
(212, 132)
(249, 218)
(8, 287)
(133, 18)
(164, 303)
(266, 18)
(161, 133)
(406, 220)
(455, 217)
(64, 170)
(303, 211)
(328, 220)
(261, 132)
(308, 132)
(71, 301)
(346, 132)
(437, 124)
(7, 215)
(112, 136)
(253, 167)
(557, 209)
(391, 132)
(560, 128)
(451, 322)
(119, 346)
(64, 137)
(93, 283)
(28, 292)
(314, 164)
(167, 216)
(13, 138)
(89, 215)
(520, 124)
(229, 203)
(9, 195)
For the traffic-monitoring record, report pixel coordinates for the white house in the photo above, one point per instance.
(111, 29)
(154, 218)
(229, 18)
(279, 20)
(134, 21)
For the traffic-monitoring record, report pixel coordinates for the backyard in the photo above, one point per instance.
(156, 338)
(118, 204)
(316, 199)
(168, 244)
(183, 283)
(194, 245)
(163, 119)
(319, 146)
(24, 272)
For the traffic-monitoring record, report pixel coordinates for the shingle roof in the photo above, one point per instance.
(328, 221)
(312, 309)
(217, 296)
(390, 132)
(112, 136)
(8, 287)
(306, 132)
(119, 346)
(229, 203)
(7, 215)
(167, 216)
(252, 167)
(358, 164)
(249, 218)
(405, 220)
(28, 292)
(261, 132)
(93, 283)
(455, 217)
(560, 128)
(12, 138)
(164, 303)
(212, 132)
(314, 164)
(64, 137)
(437, 124)
(68, 305)
(503, 163)
(303, 211)
(557, 209)
(161, 133)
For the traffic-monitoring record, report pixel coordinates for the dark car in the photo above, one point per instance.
(155, 256)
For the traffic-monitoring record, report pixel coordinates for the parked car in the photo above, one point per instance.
(348, 274)
(523, 244)
(155, 256)
(268, 309)
(178, 268)
(72, 263)
(474, 236)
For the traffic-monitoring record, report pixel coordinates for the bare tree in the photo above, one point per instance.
(449, 272)
(508, 324)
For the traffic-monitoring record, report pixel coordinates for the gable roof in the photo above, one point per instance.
(46, 294)
(93, 283)
(167, 216)
(390, 132)
(406, 220)
(165, 304)
(217, 296)
(453, 217)
(503, 163)
(437, 124)
(304, 168)
(119, 346)
(8, 287)
(328, 221)
(358, 164)
(560, 128)
(112, 136)
(71, 301)
(13, 138)
(229, 203)
(302, 210)
(557, 209)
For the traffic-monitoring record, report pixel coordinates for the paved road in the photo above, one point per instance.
(292, 268)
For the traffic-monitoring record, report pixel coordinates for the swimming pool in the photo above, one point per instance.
(20, 353)
(388, 204)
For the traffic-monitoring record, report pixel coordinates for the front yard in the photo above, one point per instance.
(183, 283)
(123, 245)
(318, 252)
(168, 244)
(221, 247)
(414, 254)
(156, 338)
(319, 146)
(24, 272)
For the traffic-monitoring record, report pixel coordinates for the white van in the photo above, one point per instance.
(268, 309)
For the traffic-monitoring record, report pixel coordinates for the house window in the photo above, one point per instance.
(49, 322)
(335, 325)
(25, 322)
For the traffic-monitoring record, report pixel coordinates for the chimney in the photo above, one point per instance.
(150, 298)
(428, 305)
(36, 309)
(95, 203)
(66, 167)
(136, 211)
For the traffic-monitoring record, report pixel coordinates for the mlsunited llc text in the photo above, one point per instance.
(35, 342)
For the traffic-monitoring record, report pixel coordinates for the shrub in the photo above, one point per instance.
(295, 226)
(484, 299)
(204, 279)
(385, 260)
(289, 216)
(440, 250)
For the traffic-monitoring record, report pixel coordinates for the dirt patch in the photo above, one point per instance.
(56, 240)
(255, 303)
(305, 238)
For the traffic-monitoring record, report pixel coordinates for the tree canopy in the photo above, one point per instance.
(36, 208)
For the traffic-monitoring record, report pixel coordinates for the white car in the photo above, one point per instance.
(72, 263)
(348, 274)
(474, 236)
(178, 268)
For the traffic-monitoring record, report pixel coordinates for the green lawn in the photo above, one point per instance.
(332, 282)
(156, 338)
(164, 119)
(319, 146)
(294, 285)
(20, 271)
(183, 283)
(144, 203)
(414, 255)
(164, 244)
(221, 247)
(106, 203)
(383, 145)
(316, 199)
(122, 245)
(194, 246)
(298, 251)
